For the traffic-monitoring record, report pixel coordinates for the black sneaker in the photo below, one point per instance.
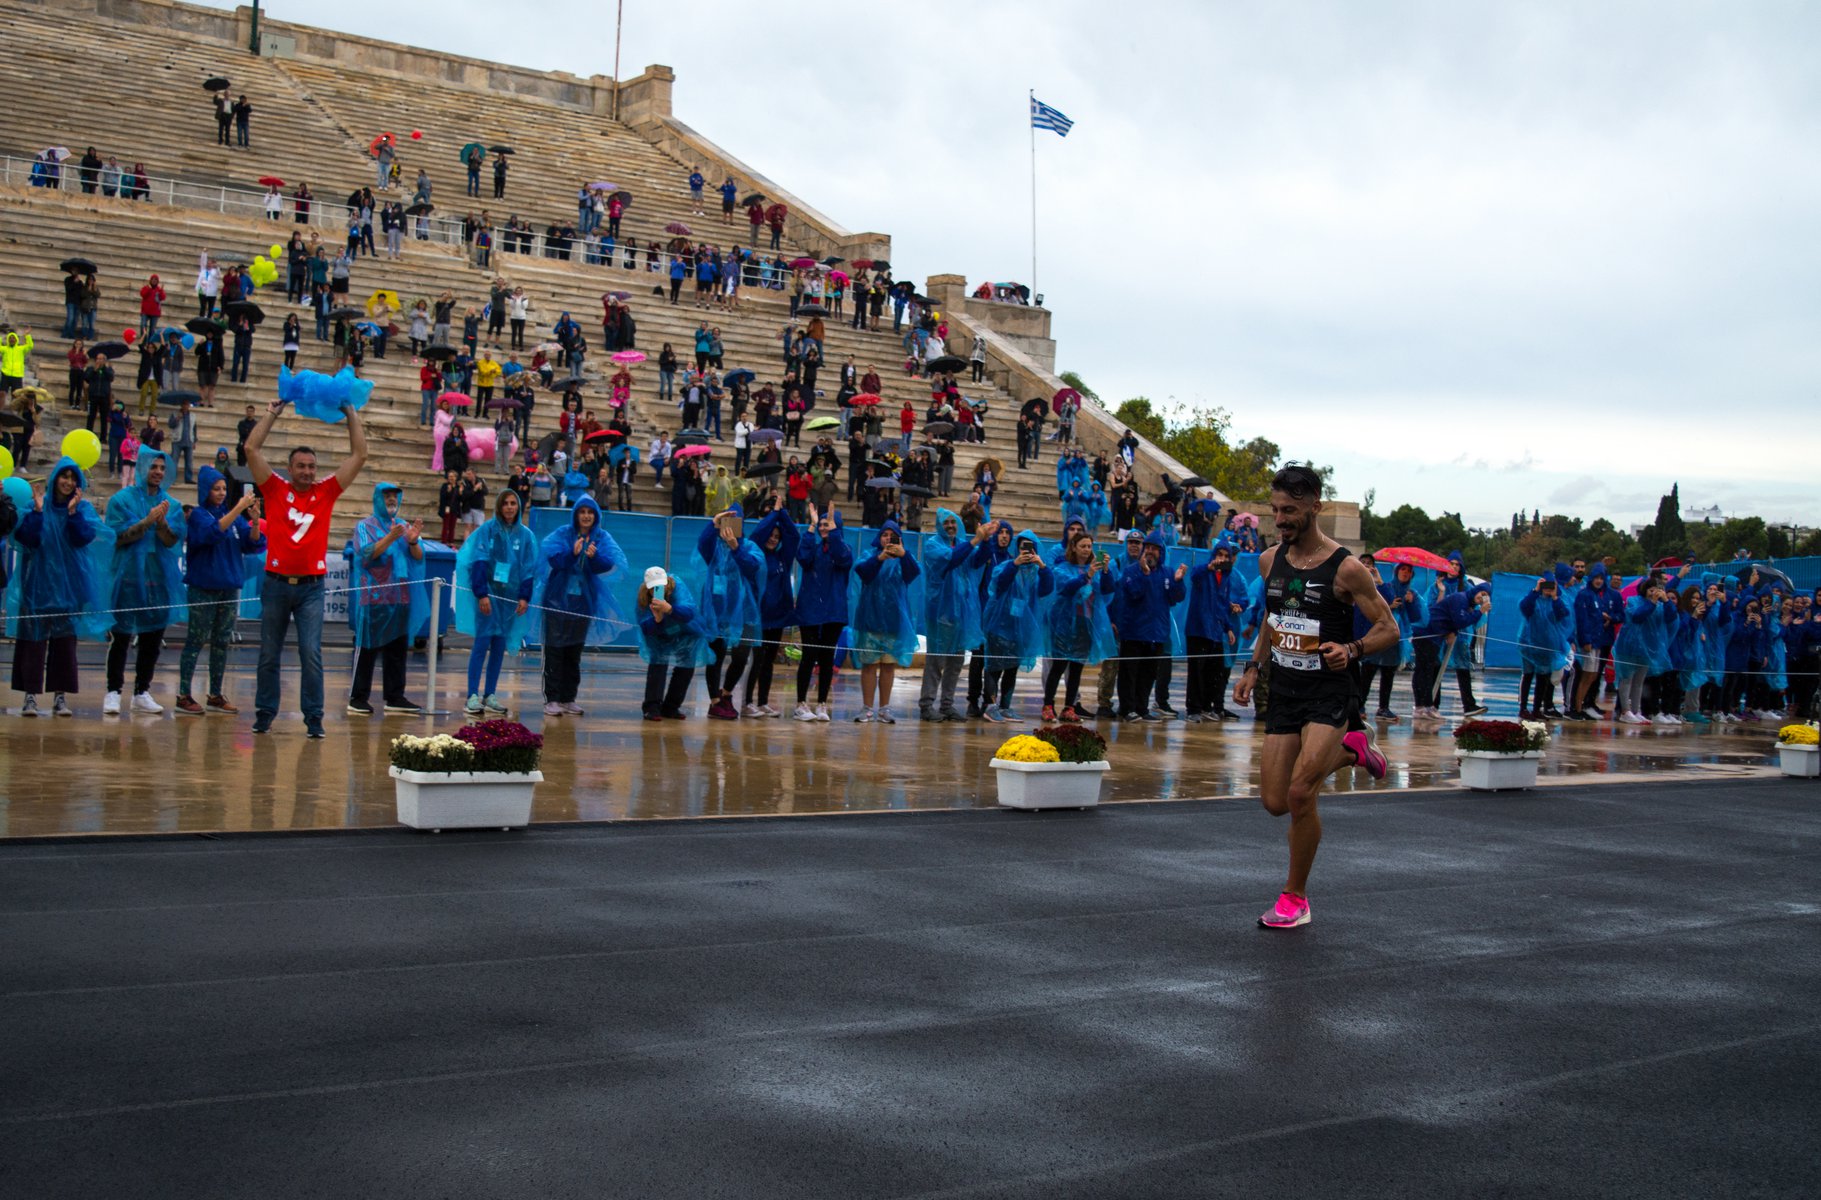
(1166, 710)
(1105, 713)
(359, 710)
(403, 706)
(975, 712)
(1554, 714)
(1227, 714)
(315, 733)
(1478, 710)
(263, 725)
(1385, 714)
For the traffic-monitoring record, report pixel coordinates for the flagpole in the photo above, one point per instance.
(1031, 121)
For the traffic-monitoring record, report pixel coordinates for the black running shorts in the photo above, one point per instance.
(1298, 699)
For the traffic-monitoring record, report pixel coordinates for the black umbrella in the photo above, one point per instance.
(501, 150)
(1766, 574)
(568, 385)
(751, 199)
(203, 326)
(507, 402)
(879, 462)
(758, 469)
(347, 312)
(879, 264)
(939, 428)
(179, 397)
(215, 83)
(439, 353)
(885, 482)
(421, 208)
(911, 489)
(546, 445)
(700, 435)
(833, 260)
(11, 421)
(80, 266)
(623, 196)
(946, 364)
(1194, 481)
(811, 310)
(109, 349)
(244, 308)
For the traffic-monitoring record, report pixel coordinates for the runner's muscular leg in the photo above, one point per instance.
(1321, 755)
(1276, 770)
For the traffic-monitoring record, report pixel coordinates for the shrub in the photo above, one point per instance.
(1799, 735)
(439, 753)
(488, 746)
(1074, 743)
(1025, 748)
(1501, 737)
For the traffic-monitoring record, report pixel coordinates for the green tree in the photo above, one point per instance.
(1137, 415)
(1075, 381)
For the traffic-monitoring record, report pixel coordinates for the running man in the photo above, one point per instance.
(1312, 585)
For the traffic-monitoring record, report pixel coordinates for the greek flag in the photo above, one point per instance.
(1045, 117)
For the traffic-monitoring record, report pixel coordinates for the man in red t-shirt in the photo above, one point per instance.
(298, 511)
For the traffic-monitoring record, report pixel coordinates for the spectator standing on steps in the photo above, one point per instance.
(243, 112)
(183, 439)
(696, 183)
(499, 176)
(224, 118)
(299, 511)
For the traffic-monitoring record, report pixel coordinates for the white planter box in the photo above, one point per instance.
(464, 799)
(1049, 785)
(1486, 771)
(1804, 762)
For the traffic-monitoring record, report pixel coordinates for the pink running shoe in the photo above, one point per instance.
(1365, 754)
(1289, 912)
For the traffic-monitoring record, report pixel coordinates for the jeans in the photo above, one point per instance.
(212, 622)
(474, 182)
(940, 674)
(713, 424)
(426, 411)
(281, 602)
(182, 454)
(237, 368)
(904, 441)
(72, 317)
(667, 381)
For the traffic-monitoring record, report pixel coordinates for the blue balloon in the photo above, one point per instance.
(21, 493)
(189, 341)
(322, 397)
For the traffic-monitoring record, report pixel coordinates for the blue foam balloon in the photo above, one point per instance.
(323, 397)
(21, 493)
(189, 340)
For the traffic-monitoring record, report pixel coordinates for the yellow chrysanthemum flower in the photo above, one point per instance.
(1025, 748)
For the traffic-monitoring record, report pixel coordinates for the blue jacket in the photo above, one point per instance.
(1211, 597)
(777, 606)
(213, 559)
(822, 592)
(1145, 600)
(1597, 611)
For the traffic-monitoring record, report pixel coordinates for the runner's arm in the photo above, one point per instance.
(1356, 582)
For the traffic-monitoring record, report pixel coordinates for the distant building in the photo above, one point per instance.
(1711, 515)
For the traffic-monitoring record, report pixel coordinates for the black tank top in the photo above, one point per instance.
(1303, 611)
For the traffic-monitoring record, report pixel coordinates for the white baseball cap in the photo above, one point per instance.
(655, 576)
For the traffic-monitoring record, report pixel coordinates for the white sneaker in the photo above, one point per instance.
(143, 703)
(865, 717)
(803, 712)
(553, 709)
(766, 710)
(751, 712)
(110, 704)
(1632, 718)
(1672, 719)
(30, 707)
(1660, 719)
(61, 707)
(822, 712)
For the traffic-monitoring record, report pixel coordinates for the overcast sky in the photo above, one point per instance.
(1478, 257)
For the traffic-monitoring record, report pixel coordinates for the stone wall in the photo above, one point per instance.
(1024, 326)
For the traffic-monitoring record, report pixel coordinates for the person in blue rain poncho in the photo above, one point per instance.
(998, 549)
(1446, 641)
(573, 604)
(140, 562)
(1716, 631)
(1079, 631)
(1598, 611)
(219, 537)
(53, 596)
(826, 562)
(952, 569)
(882, 598)
(1641, 651)
(1075, 504)
(495, 575)
(1411, 611)
(1211, 630)
(1147, 590)
(778, 538)
(1775, 680)
(1014, 621)
(386, 601)
(1802, 638)
(1127, 552)
(1683, 685)
(1544, 637)
(729, 575)
(1099, 512)
(673, 641)
(1060, 551)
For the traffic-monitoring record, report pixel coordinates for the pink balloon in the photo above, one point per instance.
(481, 445)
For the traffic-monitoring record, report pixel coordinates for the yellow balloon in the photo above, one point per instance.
(277, 250)
(6, 462)
(83, 447)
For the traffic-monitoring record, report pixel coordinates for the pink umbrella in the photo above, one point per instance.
(1065, 396)
(628, 356)
(1412, 556)
(455, 399)
(803, 264)
(676, 227)
(840, 276)
(693, 452)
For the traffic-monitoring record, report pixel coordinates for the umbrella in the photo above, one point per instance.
(470, 148)
(455, 400)
(1765, 574)
(991, 464)
(603, 186)
(1195, 481)
(244, 308)
(628, 357)
(947, 364)
(694, 452)
(271, 181)
(568, 385)
(203, 326)
(883, 482)
(546, 445)
(766, 435)
(878, 264)
(758, 469)
(548, 347)
(1065, 396)
(602, 435)
(911, 489)
(507, 402)
(370, 328)
(622, 297)
(1414, 557)
(57, 153)
(78, 266)
(109, 349)
(382, 298)
(439, 353)
(861, 264)
(618, 452)
(215, 83)
(420, 209)
(676, 227)
(751, 199)
(776, 212)
(741, 377)
(179, 397)
(803, 264)
(822, 423)
(806, 311)
(38, 394)
(623, 196)
(501, 150)
(832, 259)
(346, 312)
(864, 400)
(939, 428)
(384, 139)
(879, 462)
